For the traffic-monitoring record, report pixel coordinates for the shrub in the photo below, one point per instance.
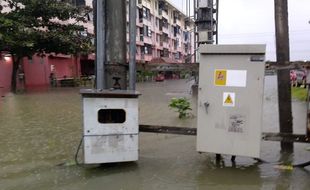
(181, 105)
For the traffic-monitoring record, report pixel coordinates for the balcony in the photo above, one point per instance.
(138, 23)
(147, 22)
(178, 22)
(166, 45)
(147, 57)
(139, 42)
(166, 30)
(158, 31)
(138, 57)
(139, 4)
(165, 15)
(159, 46)
(147, 40)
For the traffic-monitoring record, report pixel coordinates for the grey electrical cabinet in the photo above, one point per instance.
(110, 125)
(230, 99)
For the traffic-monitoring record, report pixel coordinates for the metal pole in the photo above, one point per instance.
(211, 5)
(195, 32)
(186, 8)
(283, 57)
(100, 21)
(189, 34)
(308, 113)
(116, 45)
(217, 22)
(132, 43)
(189, 9)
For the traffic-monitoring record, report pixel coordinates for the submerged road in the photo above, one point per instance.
(40, 130)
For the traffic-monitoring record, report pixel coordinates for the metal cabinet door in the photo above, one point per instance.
(230, 99)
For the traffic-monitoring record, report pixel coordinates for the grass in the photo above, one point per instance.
(299, 93)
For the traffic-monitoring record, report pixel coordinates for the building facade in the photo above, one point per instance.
(163, 31)
(164, 35)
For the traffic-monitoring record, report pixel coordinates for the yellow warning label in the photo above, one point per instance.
(228, 100)
(220, 77)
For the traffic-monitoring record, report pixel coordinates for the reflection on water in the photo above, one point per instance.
(41, 130)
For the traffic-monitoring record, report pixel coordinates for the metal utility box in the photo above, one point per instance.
(110, 125)
(230, 99)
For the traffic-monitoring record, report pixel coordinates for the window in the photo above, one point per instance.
(165, 37)
(186, 34)
(147, 49)
(90, 16)
(165, 23)
(146, 13)
(147, 31)
(177, 55)
(157, 37)
(111, 116)
(164, 53)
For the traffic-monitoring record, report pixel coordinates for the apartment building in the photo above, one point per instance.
(163, 31)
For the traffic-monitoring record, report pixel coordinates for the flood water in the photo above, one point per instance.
(41, 130)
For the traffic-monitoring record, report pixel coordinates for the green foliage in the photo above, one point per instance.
(299, 93)
(144, 75)
(181, 105)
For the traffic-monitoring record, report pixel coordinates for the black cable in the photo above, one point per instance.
(77, 152)
(302, 165)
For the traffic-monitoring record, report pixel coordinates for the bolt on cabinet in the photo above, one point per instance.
(230, 99)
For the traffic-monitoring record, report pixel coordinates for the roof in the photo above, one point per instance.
(160, 60)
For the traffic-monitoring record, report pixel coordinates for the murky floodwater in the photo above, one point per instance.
(41, 130)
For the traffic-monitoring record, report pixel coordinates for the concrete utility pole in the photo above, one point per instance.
(283, 58)
(116, 67)
(110, 27)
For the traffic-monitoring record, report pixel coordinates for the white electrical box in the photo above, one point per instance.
(203, 3)
(230, 99)
(203, 36)
(110, 126)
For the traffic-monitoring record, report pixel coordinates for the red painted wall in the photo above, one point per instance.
(36, 71)
(6, 67)
(63, 66)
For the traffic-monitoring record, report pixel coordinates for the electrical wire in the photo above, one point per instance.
(77, 152)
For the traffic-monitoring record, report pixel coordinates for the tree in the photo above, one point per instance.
(29, 27)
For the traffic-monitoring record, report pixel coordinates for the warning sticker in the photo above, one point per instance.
(230, 78)
(229, 99)
(220, 77)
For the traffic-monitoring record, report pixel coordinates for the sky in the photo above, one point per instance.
(252, 21)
